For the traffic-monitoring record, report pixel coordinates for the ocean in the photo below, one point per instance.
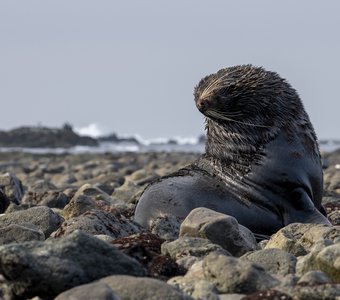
(109, 147)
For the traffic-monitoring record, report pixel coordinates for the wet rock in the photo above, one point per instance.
(190, 247)
(95, 290)
(274, 261)
(133, 288)
(11, 186)
(146, 248)
(48, 268)
(232, 275)
(298, 238)
(99, 222)
(17, 234)
(42, 217)
(220, 229)
(313, 278)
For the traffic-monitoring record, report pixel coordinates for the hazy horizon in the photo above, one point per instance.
(130, 67)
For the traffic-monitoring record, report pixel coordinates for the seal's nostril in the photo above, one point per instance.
(202, 105)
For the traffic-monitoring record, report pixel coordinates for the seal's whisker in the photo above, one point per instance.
(215, 114)
(228, 114)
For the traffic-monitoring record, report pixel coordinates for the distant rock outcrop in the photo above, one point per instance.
(42, 137)
(114, 138)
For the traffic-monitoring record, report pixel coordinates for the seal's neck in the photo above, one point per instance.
(233, 149)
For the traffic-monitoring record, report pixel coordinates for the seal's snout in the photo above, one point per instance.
(202, 105)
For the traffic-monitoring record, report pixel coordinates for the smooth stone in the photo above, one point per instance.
(51, 198)
(99, 222)
(314, 277)
(274, 261)
(95, 290)
(233, 275)
(129, 192)
(42, 217)
(18, 234)
(12, 187)
(136, 288)
(58, 265)
(93, 192)
(191, 246)
(197, 289)
(220, 229)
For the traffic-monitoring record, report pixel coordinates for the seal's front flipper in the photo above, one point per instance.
(303, 210)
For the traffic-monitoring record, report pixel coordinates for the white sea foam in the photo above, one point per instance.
(93, 130)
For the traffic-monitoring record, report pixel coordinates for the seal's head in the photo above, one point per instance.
(247, 95)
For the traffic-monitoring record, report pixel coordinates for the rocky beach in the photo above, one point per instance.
(67, 233)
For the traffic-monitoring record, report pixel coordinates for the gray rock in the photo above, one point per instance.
(86, 198)
(42, 185)
(334, 217)
(232, 275)
(313, 292)
(298, 238)
(90, 291)
(133, 186)
(41, 216)
(191, 246)
(166, 227)
(197, 289)
(79, 205)
(326, 259)
(12, 187)
(274, 261)
(219, 228)
(99, 222)
(314, 277)
(93, 192)
(133, 288)
(17, 234)
(231, 296)
(48, 268)
(51, 198)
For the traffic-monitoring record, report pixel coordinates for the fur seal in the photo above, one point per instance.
(261, 162)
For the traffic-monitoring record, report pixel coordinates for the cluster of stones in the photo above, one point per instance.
(67, 232)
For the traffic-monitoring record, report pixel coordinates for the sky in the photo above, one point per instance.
(130, 67)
